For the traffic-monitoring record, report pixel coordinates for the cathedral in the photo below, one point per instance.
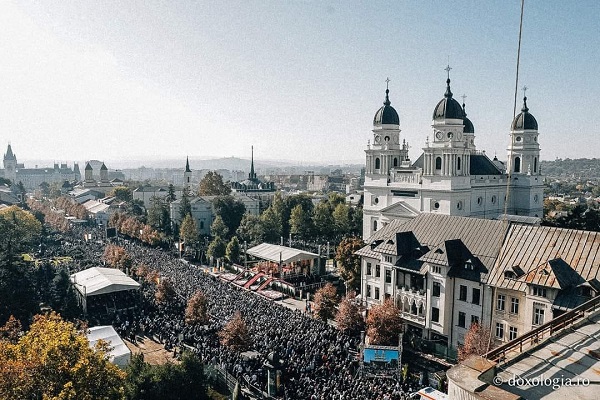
(451, 176)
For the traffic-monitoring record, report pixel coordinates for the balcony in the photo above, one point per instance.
(412, 303)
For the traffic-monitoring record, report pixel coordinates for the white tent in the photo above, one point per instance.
(276, 253)
(95, 281)
(119, 353)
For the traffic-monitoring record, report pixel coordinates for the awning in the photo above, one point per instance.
(276, 253)
(94, 281)
(119, 353)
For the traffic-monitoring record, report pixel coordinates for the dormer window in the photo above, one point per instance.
(510, 275)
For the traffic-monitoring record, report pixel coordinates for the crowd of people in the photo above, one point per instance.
(318, 361)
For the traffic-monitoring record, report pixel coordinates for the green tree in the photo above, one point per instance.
(230, 210)
(17, 290)
(212, 185)
(218, 228)
(271, 225)
(232, 253)
(216, 248)
(348, 263)
(285, 209)
(158, 215)
(322, 220)
(22, 193)
(341, 218)
(19, 230)
(170, 194)
(54, 361)
(189, 232)
(250, 229)
(300, 223)
(63, 298)
(185, 207)
(122, 193)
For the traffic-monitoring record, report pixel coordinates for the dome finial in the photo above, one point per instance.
(464, 96)
(387, 91)
(524, 109)
(448, 91)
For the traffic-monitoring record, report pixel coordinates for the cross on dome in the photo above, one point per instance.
(387, 83)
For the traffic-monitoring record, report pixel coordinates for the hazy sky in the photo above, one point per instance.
(299, 80)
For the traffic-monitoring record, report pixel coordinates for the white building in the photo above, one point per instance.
(451, 176)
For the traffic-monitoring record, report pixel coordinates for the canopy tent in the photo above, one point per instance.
(119, 353)
(97, 281)
(276, 253)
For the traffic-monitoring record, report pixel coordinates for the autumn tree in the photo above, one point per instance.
(11, 331)
(196, 312)
(189, 232)
(212, 185)
(54, 361)
(19, 230)
(235, 333)
(477, 341)
(165, 291)
(349, 316)
(384, 324)
(117, 257)
(325, 301)
(348, 263)
(232, 252)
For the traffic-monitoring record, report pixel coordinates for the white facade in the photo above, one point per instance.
(451, 177)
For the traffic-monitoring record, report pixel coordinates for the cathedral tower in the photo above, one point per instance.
(187, 174)
(10, 165)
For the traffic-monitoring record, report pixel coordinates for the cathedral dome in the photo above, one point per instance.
(448, 108)
(524, 121)
(469, 128)
(386, 114)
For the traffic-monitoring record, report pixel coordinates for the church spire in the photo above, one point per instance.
(252, 174)
(187, 164)
(448, 91)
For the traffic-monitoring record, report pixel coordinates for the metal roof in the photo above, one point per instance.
(531, 247)
(276, 253)
(95, 281)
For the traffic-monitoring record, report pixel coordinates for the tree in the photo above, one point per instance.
(158, 215)
(322, 220)
(341, 218)
(235, 333)
(348, 263)
(19, 229)
(54, 361)
(477, 341)
(384, 324)
(11, 331)
(167, 381)
(196, 312)
(122, 193)
(250, 229)
(212, 185)
(216, 248)
(165, 292)
(117, 257)
(22, 193)
(63, 297)
(189, 232)
(349, 317)
(230, 210)
(170, 194)
(185, 207)
(325, 301)
(300, 223)
(218, 228)
(17, 291)
(232, 252)
(284, 208)
(271, 225)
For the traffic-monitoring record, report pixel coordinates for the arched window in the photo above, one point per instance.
(517, 164)
(458, 163)
(374, 226)
(395, 161)
(534, 164)
(377, 163)
(438, 163)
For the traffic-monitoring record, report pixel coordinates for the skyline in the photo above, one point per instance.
(300, 81)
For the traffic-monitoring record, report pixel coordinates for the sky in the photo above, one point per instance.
(298, 80)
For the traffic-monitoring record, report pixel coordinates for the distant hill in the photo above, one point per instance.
(581, 168)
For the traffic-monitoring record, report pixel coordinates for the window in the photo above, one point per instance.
(435, 269)
(369, 272)
(517, 164)
(500, 302)
(514, 305)
(435, 314)
(377, 271)
(538, 316)
(500, 330)
(438, 163)
(368, 290)
(374, 226)
(388, 259)
(462, 293)
(458, 163)
(201, 224)
(538, 291)
(377, 163)
(494, 198)
(461, 319)
(476, 295)
(388, 276)
(534, 164)
(395, 162)
(436, 289)
(376, 293)
(512, 333)
(474, 319)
